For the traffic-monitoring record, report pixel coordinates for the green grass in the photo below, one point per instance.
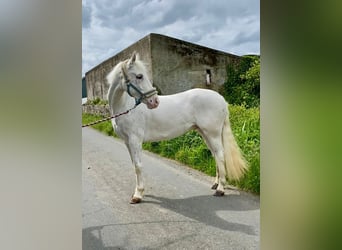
(245, 124)
(191, 150)
(104, 127)
(188, 148)
(97, 101)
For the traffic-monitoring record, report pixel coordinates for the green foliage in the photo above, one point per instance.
(243, 82)
(97, 101)
(188, 149)
(191, 150)
(252, 84)
(245, 124)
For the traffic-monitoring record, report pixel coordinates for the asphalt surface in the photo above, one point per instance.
(178, 210)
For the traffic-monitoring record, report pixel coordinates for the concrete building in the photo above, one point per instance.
(173, 65)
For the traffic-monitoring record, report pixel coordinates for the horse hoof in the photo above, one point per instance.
(214, 186)
(218, 193)
(135, 200)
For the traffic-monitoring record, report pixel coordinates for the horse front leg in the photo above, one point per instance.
(135, 150)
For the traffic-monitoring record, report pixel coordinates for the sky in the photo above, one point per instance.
(109, 26)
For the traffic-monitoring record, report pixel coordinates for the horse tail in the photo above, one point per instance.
(235, 163)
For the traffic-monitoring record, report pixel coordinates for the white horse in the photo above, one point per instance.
(169, 116)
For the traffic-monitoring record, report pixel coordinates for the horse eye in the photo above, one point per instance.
(139, 76)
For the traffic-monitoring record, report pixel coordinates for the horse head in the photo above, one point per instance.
(137, 84)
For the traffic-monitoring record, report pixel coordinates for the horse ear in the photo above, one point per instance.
(133, 58)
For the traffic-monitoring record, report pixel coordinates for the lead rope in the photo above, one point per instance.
(110, 117)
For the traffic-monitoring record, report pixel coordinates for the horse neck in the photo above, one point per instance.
(118, 99)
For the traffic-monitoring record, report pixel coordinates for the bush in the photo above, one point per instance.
(243, 82)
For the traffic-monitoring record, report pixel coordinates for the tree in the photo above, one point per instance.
(252, 83)
(243, 82)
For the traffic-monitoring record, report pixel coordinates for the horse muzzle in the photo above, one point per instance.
(152, 102)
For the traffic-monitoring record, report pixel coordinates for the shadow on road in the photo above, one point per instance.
(92, 242)
(200, 209)
(203, 209)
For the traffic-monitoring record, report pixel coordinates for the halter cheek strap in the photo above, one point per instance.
(142, 95)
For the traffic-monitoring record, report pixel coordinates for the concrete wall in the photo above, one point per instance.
(96, 110)
(173, 65)
(178, 65)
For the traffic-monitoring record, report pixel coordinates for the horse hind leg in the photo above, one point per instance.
(215, 185)
(221, 171)
(214, 143)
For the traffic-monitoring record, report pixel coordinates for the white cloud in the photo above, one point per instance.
(110, 26)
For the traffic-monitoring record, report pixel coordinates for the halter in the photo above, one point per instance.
(142, 96)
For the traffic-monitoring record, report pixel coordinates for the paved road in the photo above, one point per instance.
(178, 212)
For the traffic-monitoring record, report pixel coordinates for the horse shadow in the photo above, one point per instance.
(203, 209)
(91, 242)
(200, 209)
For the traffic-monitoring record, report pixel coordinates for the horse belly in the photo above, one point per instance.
(166, 134)
(167, 123)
